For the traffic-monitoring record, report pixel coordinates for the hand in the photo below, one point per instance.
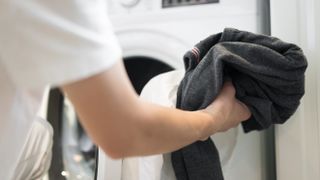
(227, 111)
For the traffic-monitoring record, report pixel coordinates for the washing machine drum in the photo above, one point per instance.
(74, 154)
(162, 90)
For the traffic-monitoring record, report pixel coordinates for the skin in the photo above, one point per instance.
(124, 125)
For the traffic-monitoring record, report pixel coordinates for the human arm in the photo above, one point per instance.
(59, 44)
(124, 125)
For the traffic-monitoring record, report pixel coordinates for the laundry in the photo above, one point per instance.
(235, 147)
(268, 75)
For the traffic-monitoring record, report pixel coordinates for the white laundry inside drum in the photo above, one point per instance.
(162, 90)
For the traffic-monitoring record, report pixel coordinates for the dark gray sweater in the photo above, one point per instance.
(268, 75)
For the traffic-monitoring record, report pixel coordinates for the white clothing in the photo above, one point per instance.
(238, 155)
(36, 156)
(41, 43)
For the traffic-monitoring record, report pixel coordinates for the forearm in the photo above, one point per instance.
(144, 128)
(124, 125)
(163, 129)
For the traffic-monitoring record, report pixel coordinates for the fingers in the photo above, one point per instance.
(245, 112)
(230, 109)
(241, 113)
(236, 111)
(228, 88)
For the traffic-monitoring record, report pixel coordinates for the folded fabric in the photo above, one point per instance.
(268, 75)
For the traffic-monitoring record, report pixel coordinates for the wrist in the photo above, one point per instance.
(209, 125)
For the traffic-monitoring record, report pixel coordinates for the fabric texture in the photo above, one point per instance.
(45, 43)
(268, 75)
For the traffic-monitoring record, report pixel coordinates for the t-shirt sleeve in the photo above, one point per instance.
(55, 41)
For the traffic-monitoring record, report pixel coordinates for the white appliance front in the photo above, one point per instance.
(298, 141)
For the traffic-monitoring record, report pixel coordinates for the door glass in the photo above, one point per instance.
(74, 154)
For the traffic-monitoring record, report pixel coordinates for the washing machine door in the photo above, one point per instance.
(146, 54)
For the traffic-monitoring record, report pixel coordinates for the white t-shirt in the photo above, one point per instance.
(41, 43)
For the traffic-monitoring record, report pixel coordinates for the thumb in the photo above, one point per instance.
(245, 112)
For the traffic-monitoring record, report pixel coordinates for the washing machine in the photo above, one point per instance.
(154, 35)
(162, 31)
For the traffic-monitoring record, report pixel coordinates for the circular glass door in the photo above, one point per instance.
(74, 154)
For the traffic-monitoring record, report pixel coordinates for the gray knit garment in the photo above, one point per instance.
(268, 75)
